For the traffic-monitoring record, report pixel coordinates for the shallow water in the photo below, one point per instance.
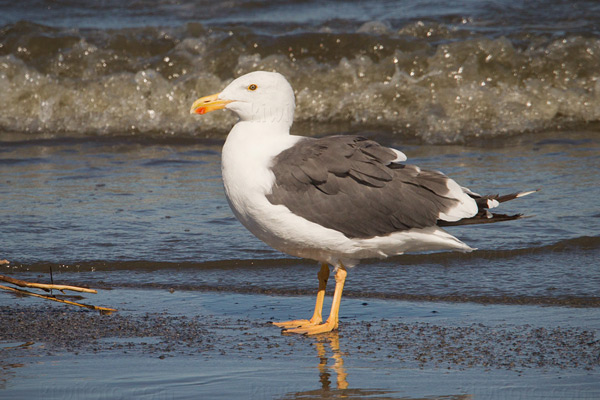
(153, 212)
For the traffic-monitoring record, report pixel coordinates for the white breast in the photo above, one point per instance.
(247, 154)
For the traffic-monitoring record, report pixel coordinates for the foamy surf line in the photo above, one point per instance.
(427, 80)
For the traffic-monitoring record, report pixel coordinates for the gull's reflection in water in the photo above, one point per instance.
(332, 374)
(332, 341)
(333, 377)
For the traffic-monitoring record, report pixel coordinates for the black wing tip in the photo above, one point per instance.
(483, 218)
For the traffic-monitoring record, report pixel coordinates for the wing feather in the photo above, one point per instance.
(358, 187)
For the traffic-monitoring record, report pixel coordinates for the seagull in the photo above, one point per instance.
(337, 199)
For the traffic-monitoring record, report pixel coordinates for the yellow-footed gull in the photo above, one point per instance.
(336, 199)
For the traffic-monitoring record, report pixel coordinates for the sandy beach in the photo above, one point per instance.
(187, 344)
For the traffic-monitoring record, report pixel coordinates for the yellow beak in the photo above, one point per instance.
(208, 104)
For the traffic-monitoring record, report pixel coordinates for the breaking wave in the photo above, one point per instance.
(427, 80)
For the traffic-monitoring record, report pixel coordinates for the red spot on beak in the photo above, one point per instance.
(201, 110)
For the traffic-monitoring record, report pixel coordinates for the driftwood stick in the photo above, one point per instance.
(44, 286)
(103, 310)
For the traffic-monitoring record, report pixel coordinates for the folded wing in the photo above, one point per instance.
(360, 188)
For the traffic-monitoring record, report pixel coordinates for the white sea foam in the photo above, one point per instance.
(423, 80)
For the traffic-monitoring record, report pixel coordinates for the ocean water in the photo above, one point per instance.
(102, 167)
(138, 211)
(425, 70)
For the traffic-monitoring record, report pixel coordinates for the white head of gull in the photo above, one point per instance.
(337, 199)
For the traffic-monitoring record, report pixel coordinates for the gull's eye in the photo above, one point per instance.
(252, 87)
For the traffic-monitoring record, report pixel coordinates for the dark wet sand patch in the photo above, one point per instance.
(191, 344)
(415, 344)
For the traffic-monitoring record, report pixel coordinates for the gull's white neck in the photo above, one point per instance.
(252, 143)
(245, 164)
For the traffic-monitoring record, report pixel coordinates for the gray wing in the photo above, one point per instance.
(352, 185)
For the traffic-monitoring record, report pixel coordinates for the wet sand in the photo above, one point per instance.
(221, 345)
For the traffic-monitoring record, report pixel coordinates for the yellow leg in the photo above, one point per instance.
(332, 321)
(317, 318)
